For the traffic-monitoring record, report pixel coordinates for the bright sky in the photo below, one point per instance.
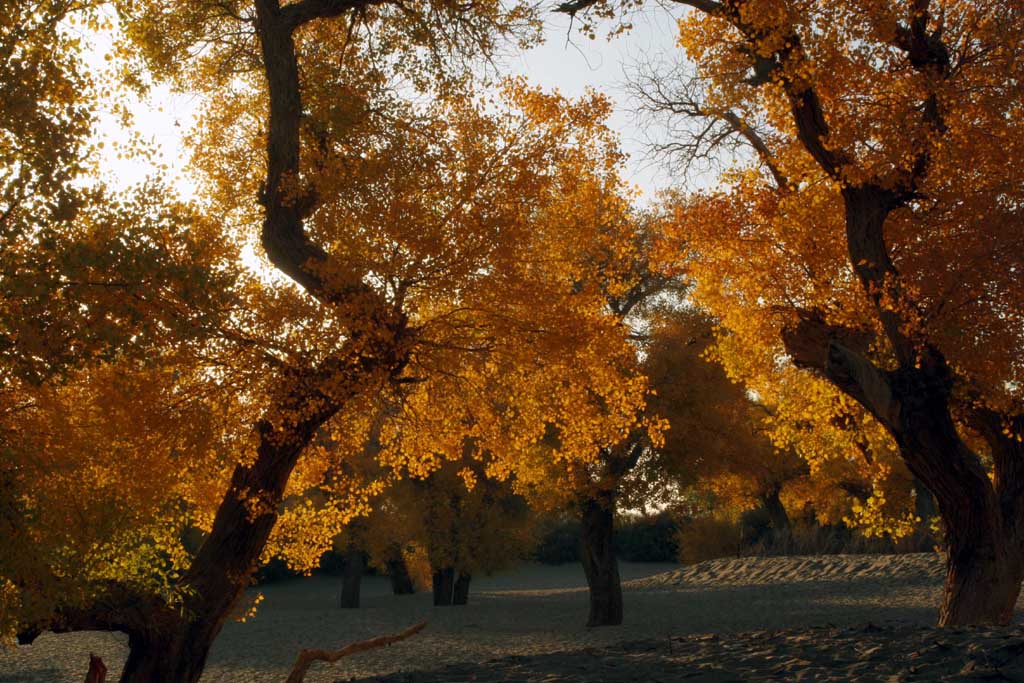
(568, 61)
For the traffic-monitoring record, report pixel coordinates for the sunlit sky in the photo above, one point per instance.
(568, 61)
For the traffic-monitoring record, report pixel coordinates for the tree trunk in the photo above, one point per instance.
(983, 516)
(774, 507)
(174, 657)
(599, 562)
(984, 565)
(460, 594)
(444, 586)
(352, 578)
(173, 649)
(982, 580)
(401, 581)
(97, 670)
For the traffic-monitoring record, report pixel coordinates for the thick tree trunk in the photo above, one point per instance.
(444, 586)
(401, 581)
(460, 593)
(352, 578)
(173, 649)
(982, 581)
(984, 565)
(599, 562)
(983, 518)
(169, 657)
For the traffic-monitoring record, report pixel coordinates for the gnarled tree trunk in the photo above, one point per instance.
(599, 562)
(983, 518)
(173, 649)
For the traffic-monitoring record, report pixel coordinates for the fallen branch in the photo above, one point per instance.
(307, 657)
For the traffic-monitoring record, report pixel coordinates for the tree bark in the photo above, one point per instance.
(985, 561)
(401, 581)
(460, 593)
(599, 562)
(774, 507)
(97, 670)
(352, 578)
(444, 586)
(171, 648)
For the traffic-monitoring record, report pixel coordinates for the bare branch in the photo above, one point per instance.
(306, 658)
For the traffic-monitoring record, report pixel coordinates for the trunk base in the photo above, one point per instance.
(600, 564)
(980, 589)
(460, 594)
(444, 586)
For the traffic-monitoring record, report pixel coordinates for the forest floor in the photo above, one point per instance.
(837, 618)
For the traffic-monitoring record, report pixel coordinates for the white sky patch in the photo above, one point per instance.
(161, 120)
(568, 61)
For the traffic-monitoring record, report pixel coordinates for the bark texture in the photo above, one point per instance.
(352, 579)
(401, 581)
(460, 592)
(444, 586)
(599, 562)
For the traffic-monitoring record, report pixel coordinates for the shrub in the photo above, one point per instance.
(560, 543)
(651, 538)
(708, 538)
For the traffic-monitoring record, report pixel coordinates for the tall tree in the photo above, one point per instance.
(428, 254)
(878, 237)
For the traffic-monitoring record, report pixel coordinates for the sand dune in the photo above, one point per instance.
(839, 618)
(757, 571)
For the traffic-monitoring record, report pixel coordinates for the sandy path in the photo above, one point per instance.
(527, 626)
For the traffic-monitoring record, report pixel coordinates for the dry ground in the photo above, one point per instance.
(839, 618)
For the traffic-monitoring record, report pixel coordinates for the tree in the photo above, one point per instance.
(468, 524)
(877, 235)
(432, 255)
(717, 438)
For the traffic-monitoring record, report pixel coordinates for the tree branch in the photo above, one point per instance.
(830, 350)
(300, 13)
(306, 658)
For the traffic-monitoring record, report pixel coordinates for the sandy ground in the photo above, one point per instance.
(839, 618)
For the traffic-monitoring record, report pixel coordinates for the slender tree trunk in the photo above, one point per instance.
(599, 562)
(444, 586)
(401, 581)
(352, 579)
(97, 670)
(774, 507)
(460, 593)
